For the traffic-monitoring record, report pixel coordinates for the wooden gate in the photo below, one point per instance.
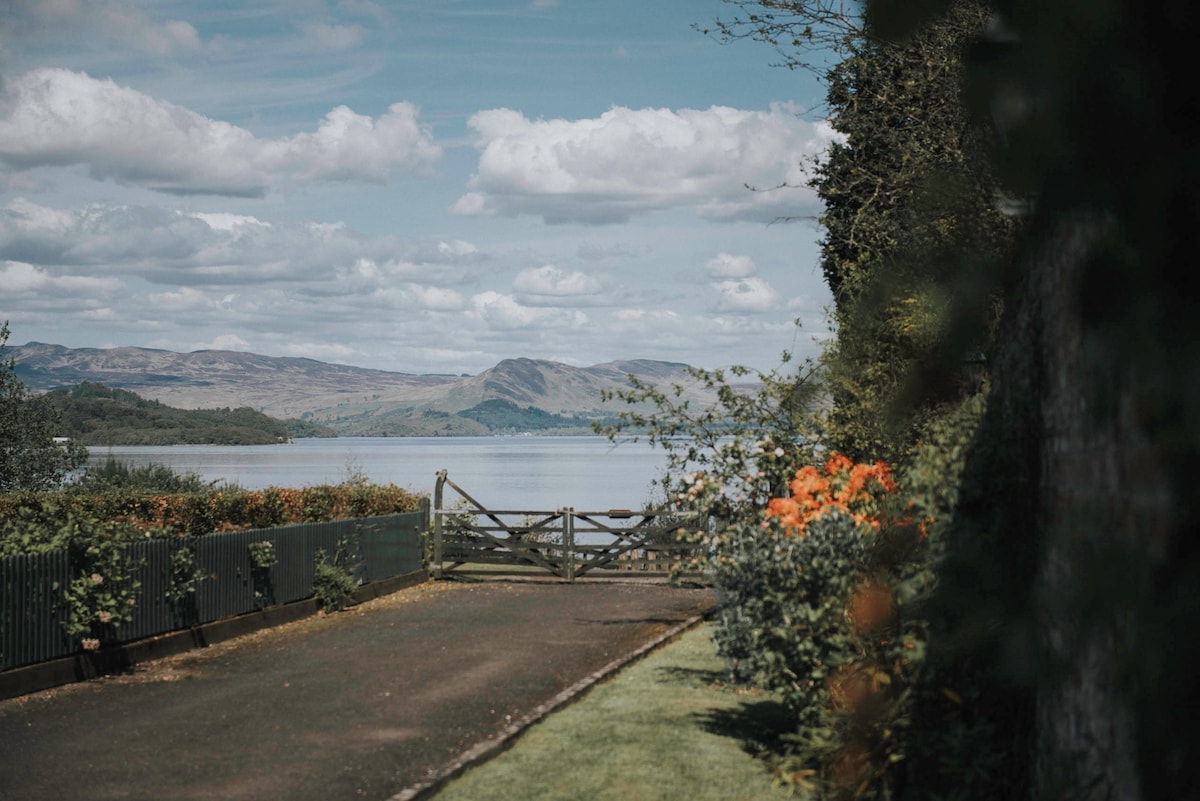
(565, 542)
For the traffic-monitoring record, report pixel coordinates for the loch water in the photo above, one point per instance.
(588, 473)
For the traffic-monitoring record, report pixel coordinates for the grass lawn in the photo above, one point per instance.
(666, 728)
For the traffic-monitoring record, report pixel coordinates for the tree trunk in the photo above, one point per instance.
(1100, 505)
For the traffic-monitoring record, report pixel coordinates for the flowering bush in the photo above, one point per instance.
(807, 610)
(806, 566)
(824, 574)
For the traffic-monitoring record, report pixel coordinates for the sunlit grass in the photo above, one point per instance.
(665, 728)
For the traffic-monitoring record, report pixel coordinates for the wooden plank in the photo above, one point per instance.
(531, 555)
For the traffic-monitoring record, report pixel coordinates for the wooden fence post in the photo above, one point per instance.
(437, 524)
(569, 542)
(426, 531)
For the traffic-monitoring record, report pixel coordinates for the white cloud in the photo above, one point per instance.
(502, 311)
(19, 278)
(723, 265)
(224, 221)
(593, 252)
(506, 313)
(185, 299)
(551, 286)
(437, 298)
(625, 162)
(552, 281)
(121, 22)
(221, 248)
(59, 117)
(454, 252)
(746, 296)
(331, 36)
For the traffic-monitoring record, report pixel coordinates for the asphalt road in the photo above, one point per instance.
(355, 705)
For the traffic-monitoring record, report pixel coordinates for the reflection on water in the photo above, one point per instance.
(588, 473)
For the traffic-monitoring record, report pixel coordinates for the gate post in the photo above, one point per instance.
(437, 524)
(569, 542)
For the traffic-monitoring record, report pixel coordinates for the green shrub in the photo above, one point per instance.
(102, 592)
(118, 476)
(265, 509)
(185, 576)
(333, 581)
(27, 519)
(322, 503)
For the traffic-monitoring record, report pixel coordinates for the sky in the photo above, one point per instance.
(421, 186)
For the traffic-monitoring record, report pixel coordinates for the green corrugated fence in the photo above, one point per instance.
(225, 583)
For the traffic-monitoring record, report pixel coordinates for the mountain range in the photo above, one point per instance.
(352, 400)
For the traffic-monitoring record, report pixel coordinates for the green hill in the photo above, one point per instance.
(494, 416)
(94, 414)
(505, 416)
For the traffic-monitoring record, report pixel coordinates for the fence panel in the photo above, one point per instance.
(392, 545)
(154, 613)
(31, 593)
(226, 582)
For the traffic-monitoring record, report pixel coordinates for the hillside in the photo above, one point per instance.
(539, 395)
(277, 386)
(94, 414)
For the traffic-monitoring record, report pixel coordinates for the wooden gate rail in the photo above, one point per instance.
(469, 533)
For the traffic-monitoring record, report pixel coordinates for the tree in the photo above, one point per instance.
(1062, 628)
(30, 459)
(805, 33)
(904, 193)
(1069, 586)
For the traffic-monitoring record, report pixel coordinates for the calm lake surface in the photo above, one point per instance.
(536, 473)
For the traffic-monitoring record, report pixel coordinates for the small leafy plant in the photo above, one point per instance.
(102, 592)
(262, 555)
(333, 582)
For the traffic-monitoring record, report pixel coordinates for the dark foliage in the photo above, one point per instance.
(30, 458)
(94, 414)
(504, 415)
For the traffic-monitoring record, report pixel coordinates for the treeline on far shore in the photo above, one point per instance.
(94, 414)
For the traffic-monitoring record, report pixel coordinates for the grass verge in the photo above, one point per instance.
(665, 728)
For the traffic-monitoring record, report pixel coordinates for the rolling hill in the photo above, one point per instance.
(516, 394)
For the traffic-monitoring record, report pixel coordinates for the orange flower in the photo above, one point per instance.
(788, 512)
(883, 474)
(837, 463)
(808, 483)
(842, 486)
